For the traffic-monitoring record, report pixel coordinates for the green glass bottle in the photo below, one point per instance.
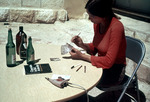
(10, 51)
(30, 52)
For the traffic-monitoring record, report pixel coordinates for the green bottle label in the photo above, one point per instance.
(31, 58)
(11, 57)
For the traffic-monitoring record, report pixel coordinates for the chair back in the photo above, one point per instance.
(135, 49)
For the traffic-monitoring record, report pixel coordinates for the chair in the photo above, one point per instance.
(135, 51)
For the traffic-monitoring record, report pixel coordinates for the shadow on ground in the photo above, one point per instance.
(110, 97)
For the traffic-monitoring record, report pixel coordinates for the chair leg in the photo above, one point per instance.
(134, 91)
(137, 89)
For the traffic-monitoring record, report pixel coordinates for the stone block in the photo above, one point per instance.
(147, 55)
(85, 15)
(52, 4)
(10, 3)
(31, 3)
(129, 32)
(4, 3)
(45, 16)
(22, 15)
(62, 15)
(129, 67)
(140, 36)
(144, 73)
(148, 39)
(4, 14)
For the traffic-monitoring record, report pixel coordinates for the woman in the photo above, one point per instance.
(109, 43)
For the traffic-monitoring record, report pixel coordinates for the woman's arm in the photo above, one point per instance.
(78, 41)
(76, 54)
(88, 47)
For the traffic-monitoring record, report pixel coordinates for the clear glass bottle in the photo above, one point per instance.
(30, 52)
(23, 48)
(18, 38)
(10, 51)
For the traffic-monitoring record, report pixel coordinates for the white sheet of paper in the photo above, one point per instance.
(55, 76)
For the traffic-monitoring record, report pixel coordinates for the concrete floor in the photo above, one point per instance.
(61, 33)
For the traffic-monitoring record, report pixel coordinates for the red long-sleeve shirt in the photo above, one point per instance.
(111, 46)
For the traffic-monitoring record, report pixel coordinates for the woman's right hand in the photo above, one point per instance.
(78, 41)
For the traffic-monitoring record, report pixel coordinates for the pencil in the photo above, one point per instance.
(84, 69)
(78, 68)
(75, 66)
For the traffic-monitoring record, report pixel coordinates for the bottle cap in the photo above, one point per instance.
(9, 29)
(20, 27)
(29, 38)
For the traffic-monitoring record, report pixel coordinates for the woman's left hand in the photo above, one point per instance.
(76, 54)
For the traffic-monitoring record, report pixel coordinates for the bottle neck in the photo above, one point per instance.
(10, 38)
(21, 29)
(30, 42)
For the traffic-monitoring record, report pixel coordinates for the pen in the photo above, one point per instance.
(75, 66)
(76, 37)
(79, 34)
(78, 68)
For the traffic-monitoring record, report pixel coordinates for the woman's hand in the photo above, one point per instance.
(76, 54)
(78, 41)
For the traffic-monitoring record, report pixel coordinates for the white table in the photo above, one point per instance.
(15, 86)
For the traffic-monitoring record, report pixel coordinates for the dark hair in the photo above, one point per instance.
(100, 8)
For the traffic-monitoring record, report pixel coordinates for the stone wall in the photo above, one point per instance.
(47, 4)
(32, 15)
(36, 11)
(32, 11)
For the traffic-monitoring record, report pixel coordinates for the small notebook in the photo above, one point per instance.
(37, 69)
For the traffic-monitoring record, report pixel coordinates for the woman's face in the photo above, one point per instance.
(95, 19)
